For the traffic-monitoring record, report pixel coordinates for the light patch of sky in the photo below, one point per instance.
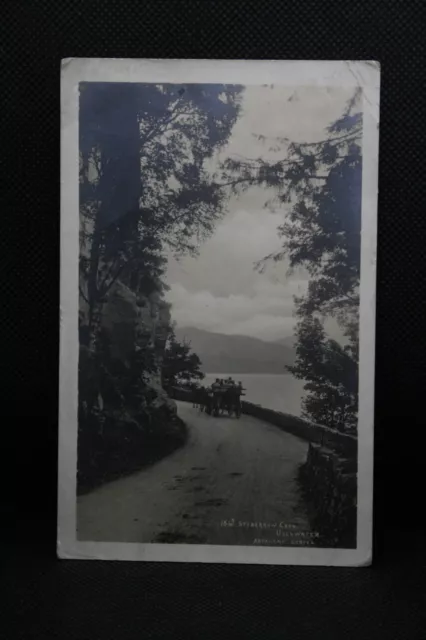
(220, 290)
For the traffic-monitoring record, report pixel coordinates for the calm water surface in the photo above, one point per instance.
(278, 392)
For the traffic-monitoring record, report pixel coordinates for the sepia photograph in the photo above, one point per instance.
(218, 249)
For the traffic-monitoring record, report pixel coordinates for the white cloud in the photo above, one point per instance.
(267, 314)
(225, 265)
(297, 113)
(220, 289)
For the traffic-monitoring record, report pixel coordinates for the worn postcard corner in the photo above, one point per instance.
(218, 243)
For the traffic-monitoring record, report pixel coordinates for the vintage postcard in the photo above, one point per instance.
(218, 274)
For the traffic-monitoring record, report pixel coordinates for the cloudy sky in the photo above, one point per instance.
(220, 290)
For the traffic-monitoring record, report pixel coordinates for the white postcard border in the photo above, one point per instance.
(290, 73)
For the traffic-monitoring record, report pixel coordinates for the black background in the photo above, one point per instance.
(47, 598)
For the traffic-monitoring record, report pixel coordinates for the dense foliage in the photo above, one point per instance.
(319, 184)
(143, 183)
(180, 364)
(330, 371)
(144, 188)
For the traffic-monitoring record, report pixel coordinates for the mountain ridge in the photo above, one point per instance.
(236, 353)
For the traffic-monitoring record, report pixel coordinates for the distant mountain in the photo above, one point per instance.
(220, 353)
(290, 342)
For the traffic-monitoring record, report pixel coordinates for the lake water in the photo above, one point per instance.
(278, 392)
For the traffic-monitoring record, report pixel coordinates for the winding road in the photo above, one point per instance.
(231, 472)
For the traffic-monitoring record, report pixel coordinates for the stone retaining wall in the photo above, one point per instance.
(328, 477)
(343, 443)
(309, 431)
(329, 483)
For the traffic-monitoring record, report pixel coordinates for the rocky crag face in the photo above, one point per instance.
(133, 323)
(126, 419)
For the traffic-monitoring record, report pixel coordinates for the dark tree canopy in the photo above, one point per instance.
(153, 140)
(320, 185)
(144, 188)
(143, 180)
(331, 375)
(180, 364)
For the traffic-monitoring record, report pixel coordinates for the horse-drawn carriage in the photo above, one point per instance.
(221, 397)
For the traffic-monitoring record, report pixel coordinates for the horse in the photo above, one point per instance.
(232, 401)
